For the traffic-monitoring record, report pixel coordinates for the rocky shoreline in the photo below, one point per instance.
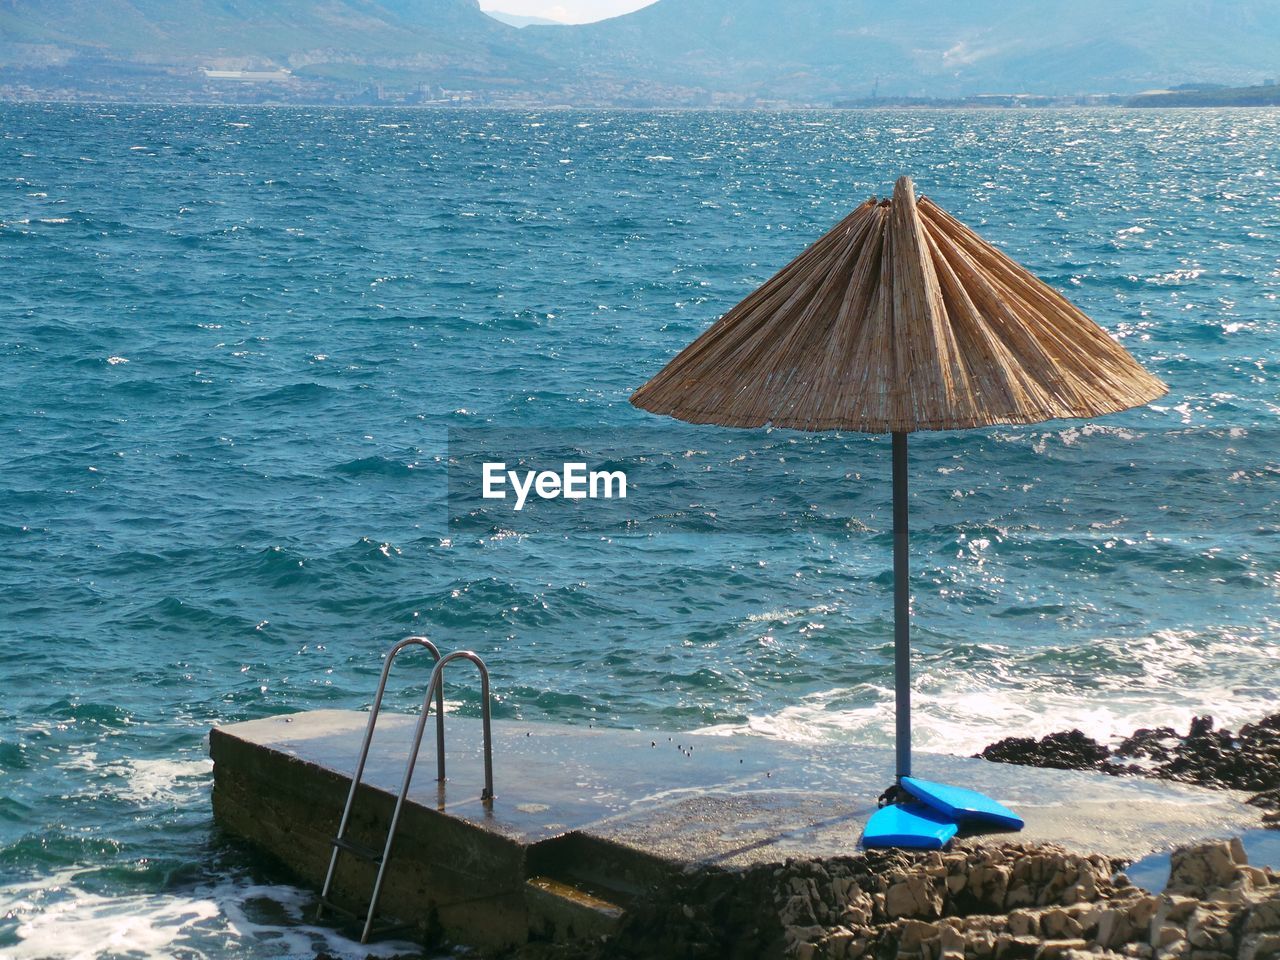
(998, 901)
(1042, 903)
(1248, 759)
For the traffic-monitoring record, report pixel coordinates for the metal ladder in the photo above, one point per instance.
(435, 689)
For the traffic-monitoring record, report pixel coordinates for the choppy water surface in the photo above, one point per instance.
(233, 342)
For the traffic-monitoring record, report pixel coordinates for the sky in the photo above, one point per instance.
(566, 11)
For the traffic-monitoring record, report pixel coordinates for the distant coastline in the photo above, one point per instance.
(1187, 95)
(281, 88)
(675, 54)
(1262, 95)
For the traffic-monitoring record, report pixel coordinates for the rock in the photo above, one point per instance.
(1082, 913)
(1024, 922)
(1113, 929)
(886, 905)
(1057, 949)
(857, 914)
(1084, 890)
(913, 896)
(843, 944)
(1247, 760)
(1148, 744)
(913, 933)
(1264, 917)
(1010, 901)
(981, 943)
(1010, 947)
(952, 943)
(797, 911)
(1057, 924)
(1195, 869)
(1206, 931)
(1238, 854)
(1173, 951)
(1060, 751)
(1264, 946)
(1267, 799)
(799, 935)
(1172, 912)
(989, 884)
(846, 891)
(1141, 911)
(1019, 896)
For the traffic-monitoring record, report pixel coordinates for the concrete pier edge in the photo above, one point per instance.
(588, 821)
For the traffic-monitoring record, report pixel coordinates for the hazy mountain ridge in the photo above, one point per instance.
(519, 19)
(329, 46)
(828, 47)
(165, 30)
(694, 51)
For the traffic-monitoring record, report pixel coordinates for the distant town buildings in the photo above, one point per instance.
(249, 76)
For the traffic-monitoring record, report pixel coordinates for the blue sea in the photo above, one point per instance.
(237, 343)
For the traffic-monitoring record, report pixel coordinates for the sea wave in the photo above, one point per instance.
(240, 519)
(62, 917)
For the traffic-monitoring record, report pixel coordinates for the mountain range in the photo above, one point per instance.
(678, 52)
(519, 19)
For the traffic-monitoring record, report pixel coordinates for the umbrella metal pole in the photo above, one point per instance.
(901, 609)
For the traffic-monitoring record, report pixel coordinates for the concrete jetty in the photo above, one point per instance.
(586, 819)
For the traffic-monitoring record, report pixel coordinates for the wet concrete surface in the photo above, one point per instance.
(728, 801)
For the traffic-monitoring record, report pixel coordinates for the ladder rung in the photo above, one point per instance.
(358, 850)
(385, 929)
(328, 904)
(390, 928)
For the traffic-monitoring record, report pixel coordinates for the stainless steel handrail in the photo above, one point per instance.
(435, 687)
(363, 758)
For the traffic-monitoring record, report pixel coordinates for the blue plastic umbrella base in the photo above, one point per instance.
(967, 808)
(912, 826)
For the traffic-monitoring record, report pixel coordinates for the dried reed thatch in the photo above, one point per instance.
(900, 318)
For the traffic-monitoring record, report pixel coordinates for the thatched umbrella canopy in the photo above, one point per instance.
(900, 318)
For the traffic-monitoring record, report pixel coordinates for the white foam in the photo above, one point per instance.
(60, 920)
(162, 781)
(786, 614)
(961, 710)
(145, 782)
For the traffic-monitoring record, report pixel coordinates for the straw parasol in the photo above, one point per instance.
(898, 319)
